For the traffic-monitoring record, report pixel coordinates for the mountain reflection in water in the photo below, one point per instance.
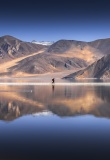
(60, 100)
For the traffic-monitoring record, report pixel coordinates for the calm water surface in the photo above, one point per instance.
(54, 122)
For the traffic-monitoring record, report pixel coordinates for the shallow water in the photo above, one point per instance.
(54, 122)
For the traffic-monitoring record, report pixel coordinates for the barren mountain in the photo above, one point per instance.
(79, 49)
(46, 62)
(89, 51)
(63, 55)
(99, 69)
(102, 45)
(11, 47)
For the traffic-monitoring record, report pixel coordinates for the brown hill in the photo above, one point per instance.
(102, 45)
(11, 48)
(89, 51)
(79, 49)
(46, 62)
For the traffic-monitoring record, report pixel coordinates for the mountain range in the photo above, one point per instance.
(83, 59)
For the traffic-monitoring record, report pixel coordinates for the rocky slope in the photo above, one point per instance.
(99, 69)
(63, 45)
(78, 49)
(11, 47)
(89, 51)
(46, 62)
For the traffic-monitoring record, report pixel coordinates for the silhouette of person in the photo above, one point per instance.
(53, 80)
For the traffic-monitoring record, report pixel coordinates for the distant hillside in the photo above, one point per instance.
(89, 51)
(78, 49)
(64, 45)
(99, 69)
(11, 47)
(61, 46)
(101, 44)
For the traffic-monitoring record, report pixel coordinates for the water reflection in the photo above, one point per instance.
(60, 100)
(103, 93)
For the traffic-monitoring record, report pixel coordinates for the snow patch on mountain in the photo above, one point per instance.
(47, 43)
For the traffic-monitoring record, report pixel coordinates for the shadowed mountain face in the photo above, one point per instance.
(46, 62)
(64, 45)
(89, 51)
(63, 101)
(99, 69)
(102, 44)
(11, 48)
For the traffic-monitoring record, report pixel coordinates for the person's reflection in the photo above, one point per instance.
(53, 88)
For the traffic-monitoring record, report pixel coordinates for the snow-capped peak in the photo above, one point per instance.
(47, 43)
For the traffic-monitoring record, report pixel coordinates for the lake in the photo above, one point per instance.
(54, 121)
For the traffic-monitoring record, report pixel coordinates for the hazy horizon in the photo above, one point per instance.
(54, 41)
